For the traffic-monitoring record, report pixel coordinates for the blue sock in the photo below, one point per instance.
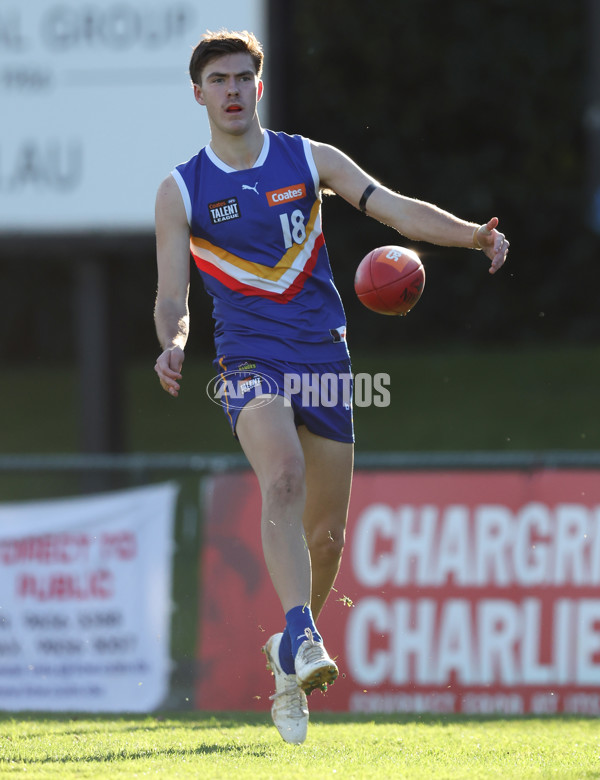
(286, 659)
(297, 619)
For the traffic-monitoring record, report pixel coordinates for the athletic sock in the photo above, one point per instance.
(286, 659)
(297, 620)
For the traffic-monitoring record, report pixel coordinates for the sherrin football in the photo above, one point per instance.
(390, 280)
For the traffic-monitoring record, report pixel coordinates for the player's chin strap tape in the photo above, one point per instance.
(365, 197)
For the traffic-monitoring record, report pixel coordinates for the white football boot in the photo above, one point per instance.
(314, 667)
(290, 708)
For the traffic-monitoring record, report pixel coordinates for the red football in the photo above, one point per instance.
(390, 280)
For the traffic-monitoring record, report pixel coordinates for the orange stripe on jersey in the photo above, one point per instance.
(219, 263)
(281, 297)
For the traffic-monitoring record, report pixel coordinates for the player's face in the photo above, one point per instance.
(230, 90)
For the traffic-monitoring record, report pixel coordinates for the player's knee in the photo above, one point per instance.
(326, 544)
(286, 482)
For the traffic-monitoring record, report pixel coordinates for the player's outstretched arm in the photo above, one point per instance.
(415, 219)
(171, 315)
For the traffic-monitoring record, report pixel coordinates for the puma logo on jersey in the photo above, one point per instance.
(248, 187)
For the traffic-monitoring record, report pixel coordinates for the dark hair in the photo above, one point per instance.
(217, 44)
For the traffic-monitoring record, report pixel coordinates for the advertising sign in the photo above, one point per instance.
(85, 589)
(466, 592)
(97, 107)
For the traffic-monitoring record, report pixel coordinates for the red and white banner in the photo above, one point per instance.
(467, 592)
(85, 590)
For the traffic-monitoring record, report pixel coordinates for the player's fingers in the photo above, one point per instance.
(499, 257)
(171, 373)
(492, 224)
(168, 367)
(167, 378)
(170, 386)
(500, 243)
(169, 364)
(176, 361)
(165, 371)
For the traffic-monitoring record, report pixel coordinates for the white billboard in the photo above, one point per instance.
(96, 107)
(86, 601)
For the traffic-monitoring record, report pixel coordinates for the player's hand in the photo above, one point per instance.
(168, 367)
(493, 243)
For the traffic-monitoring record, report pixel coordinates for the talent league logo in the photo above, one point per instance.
(224, 210)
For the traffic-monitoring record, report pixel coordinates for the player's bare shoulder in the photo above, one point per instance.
(169, 201)
(327, 158)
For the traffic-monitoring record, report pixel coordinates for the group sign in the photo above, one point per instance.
(459, 593)
(98, 108)
(85, 601)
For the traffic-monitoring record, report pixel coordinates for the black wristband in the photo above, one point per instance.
(365, 197)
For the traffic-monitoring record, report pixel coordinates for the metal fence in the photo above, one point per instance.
(138, 464)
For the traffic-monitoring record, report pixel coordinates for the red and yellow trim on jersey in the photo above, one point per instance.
(280, 283)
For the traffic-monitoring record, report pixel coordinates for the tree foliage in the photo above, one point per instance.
(478, 108)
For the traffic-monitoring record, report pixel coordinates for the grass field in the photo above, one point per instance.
(247, 746)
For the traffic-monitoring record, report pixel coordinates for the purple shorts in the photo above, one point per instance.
(320, 394)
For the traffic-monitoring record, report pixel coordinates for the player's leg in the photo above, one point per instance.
(268, 437)
(270, 441)
(329, 467)
(326, 435)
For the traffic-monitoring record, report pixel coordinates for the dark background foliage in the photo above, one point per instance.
(477, 107)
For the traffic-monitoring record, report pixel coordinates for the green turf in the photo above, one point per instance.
(530, 399)
(247, 746)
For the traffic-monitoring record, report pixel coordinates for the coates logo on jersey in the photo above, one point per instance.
(286, 194)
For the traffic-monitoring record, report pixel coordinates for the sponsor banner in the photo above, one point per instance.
(85, 586)
(465, 592)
